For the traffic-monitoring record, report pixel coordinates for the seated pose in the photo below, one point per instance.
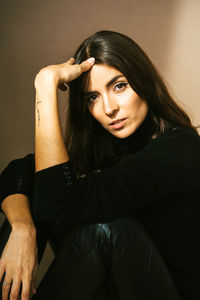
(117, 196)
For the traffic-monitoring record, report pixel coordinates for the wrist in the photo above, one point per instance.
(46, 79)
(23, 226)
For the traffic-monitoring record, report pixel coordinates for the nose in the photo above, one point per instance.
(110, 106)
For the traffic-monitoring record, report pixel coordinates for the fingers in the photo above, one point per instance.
(87, 64)
(33, 282)
(11, 287)
(33, 285)
(6, 285)
(3, 279)
(71, 61)
(15, 289)
(2, 270)
(25, 289)
(69, 71)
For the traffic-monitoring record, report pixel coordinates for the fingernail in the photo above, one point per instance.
(91, 60)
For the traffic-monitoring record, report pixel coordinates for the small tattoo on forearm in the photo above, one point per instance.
(38, 112)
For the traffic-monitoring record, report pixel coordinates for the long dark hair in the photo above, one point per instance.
(88, 144)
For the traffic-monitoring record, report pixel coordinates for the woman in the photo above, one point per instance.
(122, 211)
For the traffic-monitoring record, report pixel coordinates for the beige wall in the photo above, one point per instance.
(182, 68)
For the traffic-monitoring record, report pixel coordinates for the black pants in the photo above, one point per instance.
(115, 260)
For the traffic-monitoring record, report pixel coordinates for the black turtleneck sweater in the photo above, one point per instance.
(156, 180)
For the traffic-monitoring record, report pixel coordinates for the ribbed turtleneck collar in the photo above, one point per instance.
(139, 138)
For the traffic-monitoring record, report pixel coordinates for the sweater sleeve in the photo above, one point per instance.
(161, 170)
(17, 177)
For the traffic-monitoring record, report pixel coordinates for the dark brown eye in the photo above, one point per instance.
(120, 85)
(91, 98)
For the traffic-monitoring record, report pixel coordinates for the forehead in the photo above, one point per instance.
(100, 75)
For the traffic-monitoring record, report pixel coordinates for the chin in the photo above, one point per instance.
(122, 134)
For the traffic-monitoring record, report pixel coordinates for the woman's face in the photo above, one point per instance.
(112, 101)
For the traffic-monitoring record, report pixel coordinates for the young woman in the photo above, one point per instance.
(117, 198)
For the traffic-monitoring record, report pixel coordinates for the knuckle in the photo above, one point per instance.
(25, 294)
(6, 288)
(14, 295)
(19, 270)
(29, 278)
(29, 273)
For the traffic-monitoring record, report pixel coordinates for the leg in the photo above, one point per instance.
(115, 260)
(137, 270)
(78, 271)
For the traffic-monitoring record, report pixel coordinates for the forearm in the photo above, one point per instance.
(49, 145)
(50, 149)
(17, 210)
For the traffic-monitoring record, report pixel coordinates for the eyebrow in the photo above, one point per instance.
(107, 85)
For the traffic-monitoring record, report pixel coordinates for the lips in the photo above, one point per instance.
(118, 123)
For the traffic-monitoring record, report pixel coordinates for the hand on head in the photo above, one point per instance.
(60, 74)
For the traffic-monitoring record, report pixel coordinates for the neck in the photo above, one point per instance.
(139, 138)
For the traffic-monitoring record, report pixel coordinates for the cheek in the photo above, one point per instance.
(140, 109)
(141, 104)
(126, 99)
(135, 103)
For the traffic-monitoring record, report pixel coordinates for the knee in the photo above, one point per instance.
(92, 237)
(111, 238)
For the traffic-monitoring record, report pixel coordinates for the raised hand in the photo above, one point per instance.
(49, 144)
(56, 75)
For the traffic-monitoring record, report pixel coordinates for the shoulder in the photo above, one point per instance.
(177, 148)
(181, 131)
(177, 138)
